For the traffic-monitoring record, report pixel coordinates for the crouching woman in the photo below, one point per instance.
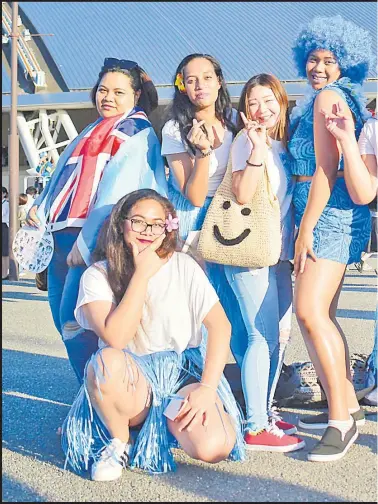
(149, 305)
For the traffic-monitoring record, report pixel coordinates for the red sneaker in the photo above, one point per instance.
(272, 439)
(276, 418)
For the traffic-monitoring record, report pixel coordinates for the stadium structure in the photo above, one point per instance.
(58, 68)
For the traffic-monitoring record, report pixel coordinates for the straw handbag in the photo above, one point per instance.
(242, 235)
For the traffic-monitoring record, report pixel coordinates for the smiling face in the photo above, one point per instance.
(263, 106)
(145, 211)
(322, 68)
(201, 83)
(114, 95)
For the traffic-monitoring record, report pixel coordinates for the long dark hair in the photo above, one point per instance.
(281, 128)
(140, 81)
(111, 245)
(182, 109)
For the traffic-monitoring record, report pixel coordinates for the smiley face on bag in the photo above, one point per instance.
(238, 228)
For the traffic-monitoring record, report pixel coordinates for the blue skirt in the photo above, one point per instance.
(343, 229)
(84, 435)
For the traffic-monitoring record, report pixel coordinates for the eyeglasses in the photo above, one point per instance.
(118, 63)
(140, 226)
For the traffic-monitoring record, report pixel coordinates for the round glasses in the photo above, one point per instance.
(140, 226)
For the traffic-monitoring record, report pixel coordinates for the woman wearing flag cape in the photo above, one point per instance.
(113, 156)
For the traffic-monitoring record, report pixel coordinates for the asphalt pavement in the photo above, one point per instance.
(39, 386)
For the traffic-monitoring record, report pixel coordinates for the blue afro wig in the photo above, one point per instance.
(351, 45)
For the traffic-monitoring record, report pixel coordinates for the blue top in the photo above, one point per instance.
(301, 144)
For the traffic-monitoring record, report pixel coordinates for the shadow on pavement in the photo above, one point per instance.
(30, 423)
(357, 314)
(15, 491)
(222, 486)
(12, 296)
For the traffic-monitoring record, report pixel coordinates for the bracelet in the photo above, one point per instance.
(251, 164)
(208, 386)
(207, 153)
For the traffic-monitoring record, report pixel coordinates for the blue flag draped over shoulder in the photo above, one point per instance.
(104, 167)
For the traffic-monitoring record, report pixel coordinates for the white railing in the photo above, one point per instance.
(25, 54)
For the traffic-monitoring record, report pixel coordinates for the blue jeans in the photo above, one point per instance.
(63, 288)
(265, 297)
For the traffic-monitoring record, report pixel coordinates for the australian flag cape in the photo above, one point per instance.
(110, 158)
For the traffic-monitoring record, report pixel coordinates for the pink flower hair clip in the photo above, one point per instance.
(171, 223)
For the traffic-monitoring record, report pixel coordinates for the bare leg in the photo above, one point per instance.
(315, 290)
(351, 394)
(212, 443)
(4, 267)
(124, 397)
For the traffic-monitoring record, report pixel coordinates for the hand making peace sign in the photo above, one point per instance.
(256, 132)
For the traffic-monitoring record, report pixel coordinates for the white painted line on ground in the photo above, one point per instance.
(34, 398)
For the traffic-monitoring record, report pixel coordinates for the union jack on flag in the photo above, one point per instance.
(75, 191)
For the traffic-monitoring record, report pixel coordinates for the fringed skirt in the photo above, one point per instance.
(84, 436)
(191, 218)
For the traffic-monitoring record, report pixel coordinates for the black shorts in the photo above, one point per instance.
(4, 240)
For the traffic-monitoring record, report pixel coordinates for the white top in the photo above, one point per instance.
(179, 296)
(281, 182)
(5, 211)
(368, 141)
(173, 144)
(29, 203)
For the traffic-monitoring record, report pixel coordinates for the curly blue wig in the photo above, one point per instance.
(351, 45)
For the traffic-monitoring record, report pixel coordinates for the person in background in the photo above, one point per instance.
(264, 294)
(334, 55)
(22, 208)
(116, 154)
(150, 305)
(361, 177)
(4, 233)
(31, 193)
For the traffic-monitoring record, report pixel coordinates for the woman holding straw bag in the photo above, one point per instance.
(264, 294)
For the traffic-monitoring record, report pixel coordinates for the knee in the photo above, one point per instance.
(211, 452)
(284, 337)
(106, 368)
(71, 329)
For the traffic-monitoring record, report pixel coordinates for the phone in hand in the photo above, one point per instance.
(173, 407)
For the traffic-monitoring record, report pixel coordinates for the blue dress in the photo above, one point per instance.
(343, 229)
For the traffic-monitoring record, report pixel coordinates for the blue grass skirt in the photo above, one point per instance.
(84, 436)
(191, 218)
(343, 229)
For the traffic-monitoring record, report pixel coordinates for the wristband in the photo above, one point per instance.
(251, 164)
(207, 153)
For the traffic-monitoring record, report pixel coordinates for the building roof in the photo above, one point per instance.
(246, 37)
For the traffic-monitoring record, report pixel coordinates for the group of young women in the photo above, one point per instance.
(147, 327)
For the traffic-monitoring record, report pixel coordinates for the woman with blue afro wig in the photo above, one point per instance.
(334, 55)
(350, 44)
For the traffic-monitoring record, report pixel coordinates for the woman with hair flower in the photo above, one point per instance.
(196, 141)
(149, 306)
(334, 55)
(116, 154)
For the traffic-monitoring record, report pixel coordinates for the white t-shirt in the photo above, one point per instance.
(179, 296)
(5, 212)
(368, 141)
(173, 144)
(280, 180)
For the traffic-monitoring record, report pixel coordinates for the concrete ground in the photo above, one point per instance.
(39, 386)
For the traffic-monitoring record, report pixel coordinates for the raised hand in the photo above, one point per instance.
(197, 136)
(338, 123)
(147, 262)
(256, 132)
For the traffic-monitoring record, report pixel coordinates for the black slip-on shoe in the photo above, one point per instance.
(320, 421)
(333, 446)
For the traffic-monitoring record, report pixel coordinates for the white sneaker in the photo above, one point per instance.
(111, 462)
